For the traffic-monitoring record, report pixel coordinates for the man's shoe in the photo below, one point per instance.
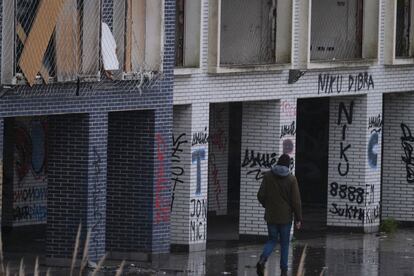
(260, 269)
(284, 272)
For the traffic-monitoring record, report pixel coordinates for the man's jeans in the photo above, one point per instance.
(283, 232)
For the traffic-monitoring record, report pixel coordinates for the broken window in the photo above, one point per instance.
(49, 40)
(137, 30)
(336, 29)
(248, 32)
(187, 33)
(403, 29)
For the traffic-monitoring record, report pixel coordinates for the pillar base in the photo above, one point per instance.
(188, 247)
(361, 229)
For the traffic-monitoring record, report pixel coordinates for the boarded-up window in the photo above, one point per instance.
(336, 29)
(402, 47)
(137, 30)
(52, 39)
(248, 32)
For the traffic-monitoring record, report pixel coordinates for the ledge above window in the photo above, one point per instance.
(323, 64)
(249, 68)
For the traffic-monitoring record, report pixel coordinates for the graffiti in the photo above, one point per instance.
(30, 194)
(373, 150)
(218, 139)
(343, 156)
(30, 149)
(30, 212)
(216, 180)
(288, 130)
(372, 213)
(352, 193)
(200, 138)
(197, 156)
(257, 161)
(198, 217)
(407, 141)
(375, 122)
(177, 170)
(331, 83)
(288, 109)
(369, 194)
(162, 208)
(23, 152)
(355, 212)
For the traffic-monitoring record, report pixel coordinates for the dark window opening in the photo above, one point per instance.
(402, 47)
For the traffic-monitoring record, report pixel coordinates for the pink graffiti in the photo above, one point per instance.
(162, 207)
(288, 109)
(23, 152)
(218, 139)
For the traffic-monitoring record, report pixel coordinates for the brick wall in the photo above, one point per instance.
(397, 174)
(180, 179)
(130, 178)
(260, 146)
(67, 182)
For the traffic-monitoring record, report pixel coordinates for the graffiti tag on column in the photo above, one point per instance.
(197, 156)
(177, 170)
(375, 126)
(162, 208)
(200, 138)
(343, 149)
(288, 109)
(288, 130)
(198, 217)
(407, 141)
(258, 161)
(331, 83)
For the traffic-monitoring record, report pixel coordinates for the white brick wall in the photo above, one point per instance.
(256, 89)
(260, 140)
(397, 191)
(180, 168)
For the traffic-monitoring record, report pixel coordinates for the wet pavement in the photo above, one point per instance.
(337, 253)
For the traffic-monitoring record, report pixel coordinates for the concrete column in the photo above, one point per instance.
(180, 178)
(354, 162)
(162, 192)
(398, 162)
(198, 178)
(287, 143)
(97, 180)
(260, 149)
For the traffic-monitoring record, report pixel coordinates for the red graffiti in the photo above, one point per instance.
(162, 207)
(218, 139)
(216, 183)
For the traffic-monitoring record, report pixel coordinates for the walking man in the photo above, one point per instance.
(279, 195)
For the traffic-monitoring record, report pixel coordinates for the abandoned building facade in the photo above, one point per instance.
(147, 121)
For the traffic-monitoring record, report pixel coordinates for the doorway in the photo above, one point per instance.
(312, 139)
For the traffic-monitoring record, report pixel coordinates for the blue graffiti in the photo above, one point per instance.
(196, 157)
(373, 150)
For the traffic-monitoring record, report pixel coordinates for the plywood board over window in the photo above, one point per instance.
(91, 26)
(137, 29)
(38, 39)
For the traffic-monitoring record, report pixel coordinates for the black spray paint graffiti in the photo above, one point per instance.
(97, 213)
(198, 215)
(30, 194)
(407, 141)
(197, 156)
(375, 122)
(257, 161)
(354, 212)
(177, 170)
(343, 156)
(329, 84)
(288, 130)
(352, 193)
(200, 138)
(30, 212)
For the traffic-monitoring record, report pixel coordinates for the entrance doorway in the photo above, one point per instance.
(312, 145)
(224, 171)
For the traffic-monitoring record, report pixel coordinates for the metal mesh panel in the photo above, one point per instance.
(79, 41)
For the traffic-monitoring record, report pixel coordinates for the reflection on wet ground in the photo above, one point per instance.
(341, 254)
